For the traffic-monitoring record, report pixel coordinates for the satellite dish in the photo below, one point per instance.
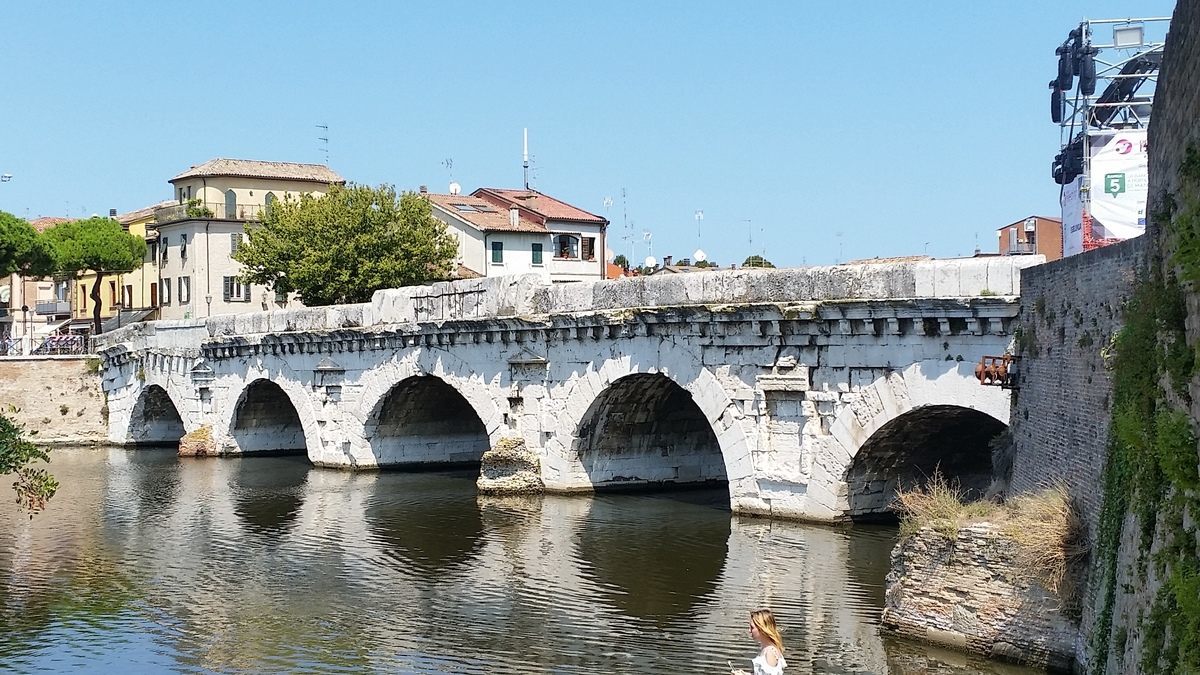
(455, 188)
(700, 255)
(651, 261)
(609, 255)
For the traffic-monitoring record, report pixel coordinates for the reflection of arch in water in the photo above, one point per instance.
(154, 475)
(430, 522)
(265, 421)
(155, 419)
(908, 450)
(268, 493)
(424, 420)
(646, 429)
(659, 557)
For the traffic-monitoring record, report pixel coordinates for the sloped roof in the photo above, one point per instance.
(146, 212)
(543, 205)
(46, 222)
(252, 168)
(482, 214)
(1052, 219)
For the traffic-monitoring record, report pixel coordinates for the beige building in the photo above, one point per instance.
(32, 309)
(198, 233)
(502, 232)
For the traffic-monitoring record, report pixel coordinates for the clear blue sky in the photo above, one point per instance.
(893, 124)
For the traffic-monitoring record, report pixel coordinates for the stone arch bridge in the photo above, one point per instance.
(812, 393)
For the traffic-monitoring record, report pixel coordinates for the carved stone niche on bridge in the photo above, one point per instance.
(328, 376)
(202, 377)
(525, 367)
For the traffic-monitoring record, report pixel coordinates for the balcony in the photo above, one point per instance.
(52, 307)
(1022, 248)
(204, 210)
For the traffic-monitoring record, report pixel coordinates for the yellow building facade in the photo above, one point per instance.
(134, 290)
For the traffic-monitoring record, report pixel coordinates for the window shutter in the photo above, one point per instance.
(235, 242)
(228, 288)
(537, 254)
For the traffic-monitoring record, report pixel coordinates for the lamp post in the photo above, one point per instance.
(25, 332)
(208, 301)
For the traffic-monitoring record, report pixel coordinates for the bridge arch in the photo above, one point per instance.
(155, 418)
(632, 400)
(271, 415)
(907, 425)
(424, 420)
(390, 392)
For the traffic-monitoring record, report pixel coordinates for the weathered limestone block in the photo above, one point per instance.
(968, 593)
(198, 443)
(510, 468)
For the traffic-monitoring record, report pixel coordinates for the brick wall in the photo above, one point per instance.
(1069, 311)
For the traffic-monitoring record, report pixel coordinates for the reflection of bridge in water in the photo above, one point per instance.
(252, 564)
(811, 393)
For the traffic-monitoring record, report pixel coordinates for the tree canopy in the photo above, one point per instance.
(757, 261)
(34, 487)
(344, 246)
(97, 245)
(22, 249)
(622, 262)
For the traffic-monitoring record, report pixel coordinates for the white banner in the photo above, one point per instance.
(1072, 217)
(1118, 185)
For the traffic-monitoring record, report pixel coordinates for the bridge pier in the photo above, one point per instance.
(801, 396)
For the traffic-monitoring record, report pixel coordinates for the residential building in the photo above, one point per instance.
(198, 234)
(505, 231)
(1035, 234)
(135, 292)
(31, 309)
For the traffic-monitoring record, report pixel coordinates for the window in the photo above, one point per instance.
(83, 297)
(498, 252)
(230, 204)
(537, 254)
(152, 252)
(183, 247)
(464, 208)
(60, 291)
(185, 290)
(112, 293)
(164, 250)
(127, 297)
(235, 242)
(566, 246)
(153, 294)
(235, 290)
(589, 248)
(165, 291)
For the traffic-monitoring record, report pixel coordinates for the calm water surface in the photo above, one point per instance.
(148, 563)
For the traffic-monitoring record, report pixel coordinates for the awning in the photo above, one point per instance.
(41, 330)
(125, 318)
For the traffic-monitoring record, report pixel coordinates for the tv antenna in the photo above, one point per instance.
(449, 164)
(627, 225)
(324, 139)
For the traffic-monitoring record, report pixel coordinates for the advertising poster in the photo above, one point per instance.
(1072, 217)
(1118, 186)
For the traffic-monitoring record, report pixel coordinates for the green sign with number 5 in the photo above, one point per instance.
(1114, 184)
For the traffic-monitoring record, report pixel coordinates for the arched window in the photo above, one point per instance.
(230, 204)
(566, 246)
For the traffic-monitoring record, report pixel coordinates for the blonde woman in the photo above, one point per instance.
(764, 631)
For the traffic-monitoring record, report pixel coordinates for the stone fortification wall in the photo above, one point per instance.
(58, 397)
(969, 593)
(529, 296)
(1070, 309)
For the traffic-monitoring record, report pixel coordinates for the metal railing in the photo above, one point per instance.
(1022, 247)
(63, 344)
(202, 210)
(52, 307)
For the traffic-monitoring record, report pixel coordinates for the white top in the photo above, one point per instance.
(761, 667)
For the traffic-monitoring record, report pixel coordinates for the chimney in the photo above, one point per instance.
(514, 216)
(667, 260)
(423, 190)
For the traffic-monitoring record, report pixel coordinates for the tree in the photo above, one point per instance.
(706, 263)
(622, 262)
(344, 246)
(22, 249)
(34, 487)
(99, 245)
(757, 261)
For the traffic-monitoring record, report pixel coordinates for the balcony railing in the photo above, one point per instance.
(1022, 248)
(52, 307)
(203, 210)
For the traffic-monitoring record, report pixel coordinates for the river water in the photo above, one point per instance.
(148, 563)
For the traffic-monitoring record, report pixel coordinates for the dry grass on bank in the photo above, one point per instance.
(1045, 527)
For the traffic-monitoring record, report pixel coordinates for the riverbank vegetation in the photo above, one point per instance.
(1044, 526)
(34, 486)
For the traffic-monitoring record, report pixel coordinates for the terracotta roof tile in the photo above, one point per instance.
(543, 205)
(46, 222)
(251, 168)
(482, 214)
(126, 218)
